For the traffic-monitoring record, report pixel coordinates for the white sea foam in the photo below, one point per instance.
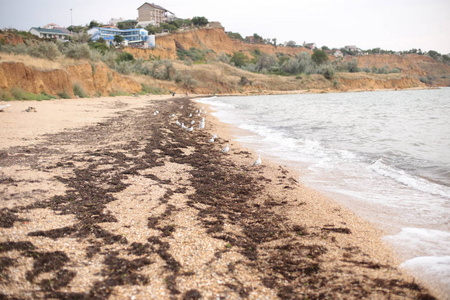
(409, 180)
(435, 270)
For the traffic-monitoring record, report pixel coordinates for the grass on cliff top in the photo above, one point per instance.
(40, 64)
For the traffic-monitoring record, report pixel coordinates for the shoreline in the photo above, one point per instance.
(176, 214)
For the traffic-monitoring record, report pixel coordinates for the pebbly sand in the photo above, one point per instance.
(102, 198)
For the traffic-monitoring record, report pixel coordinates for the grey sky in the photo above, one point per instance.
(389, 24)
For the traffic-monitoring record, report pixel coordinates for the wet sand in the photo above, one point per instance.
(104, 198)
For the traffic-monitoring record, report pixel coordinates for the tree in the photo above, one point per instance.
(258, 39)
(200, 21)
(291, 44)
(94, 23)
(434, 54)
(239, 59)
(118, 39)
(325, 48)
(319, 56)
(235, 35)
(265, 62)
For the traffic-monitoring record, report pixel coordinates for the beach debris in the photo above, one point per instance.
(31, 109)
(226, 149)
(3, 107)
(155, 113)
(258, 161)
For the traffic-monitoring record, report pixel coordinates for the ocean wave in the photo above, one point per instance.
(405, 178)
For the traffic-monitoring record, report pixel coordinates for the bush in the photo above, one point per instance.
(64, 95)
(352, 66)
(266, 62)
(239, 59)
(328, 72)
(223, 57)
(79, 91)
(244, 81)
(125, 56)
(200, 21)
(194, 54)
(44, 50)
(125, 67)
(424, 80)
(78, 51)
(17, 49)
(319, 56)
(163, 69)
(186, 80)
(5, 95)
(20, 94)
(146, 89)
(109, 58)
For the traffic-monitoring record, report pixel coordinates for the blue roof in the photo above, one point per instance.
(120, 30)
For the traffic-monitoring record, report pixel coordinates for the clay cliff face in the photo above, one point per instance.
(411, 64)
(208, 38)
(95, 79)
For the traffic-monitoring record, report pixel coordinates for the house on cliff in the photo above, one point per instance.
(51, 33)
(137, 37)
(152, 14)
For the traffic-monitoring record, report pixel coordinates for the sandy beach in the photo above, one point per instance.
(108, 198)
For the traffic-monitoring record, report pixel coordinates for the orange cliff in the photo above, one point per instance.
(214, 39)
(94, 79)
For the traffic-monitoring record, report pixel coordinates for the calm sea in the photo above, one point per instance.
(385, 155)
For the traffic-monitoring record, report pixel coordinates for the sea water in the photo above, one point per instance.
(384, 154)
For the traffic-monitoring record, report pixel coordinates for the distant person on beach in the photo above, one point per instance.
(173, 94)
(187, 94)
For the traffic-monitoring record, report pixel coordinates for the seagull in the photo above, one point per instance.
(178, 123)
(213, 138)
(192, 122)
(190, 129)
(155, 113)
(258, 161)
(183, 126)
(2, 107)
(226, 149)
(172, 115)
(201, 125)
(190, 115)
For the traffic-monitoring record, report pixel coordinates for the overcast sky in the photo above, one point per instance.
(388, 24)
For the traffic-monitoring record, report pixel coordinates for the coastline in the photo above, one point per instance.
(177, 215)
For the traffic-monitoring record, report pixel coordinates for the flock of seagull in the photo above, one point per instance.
(201, 125)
